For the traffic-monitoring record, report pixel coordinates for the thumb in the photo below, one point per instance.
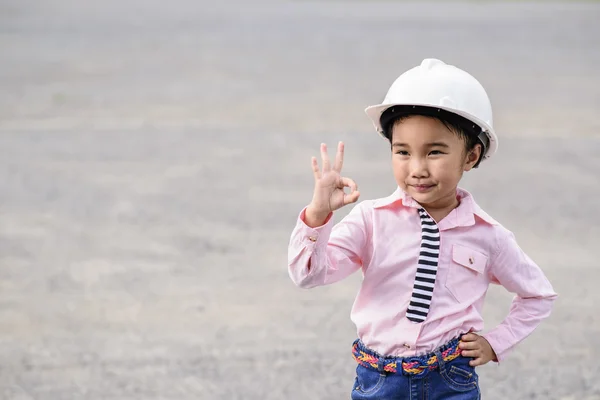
(351, 197)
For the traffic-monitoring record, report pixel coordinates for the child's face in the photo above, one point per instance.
(428, 160)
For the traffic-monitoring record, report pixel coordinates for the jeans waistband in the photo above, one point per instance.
(416, 366)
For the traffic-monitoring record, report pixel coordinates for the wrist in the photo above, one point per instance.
(315, 217)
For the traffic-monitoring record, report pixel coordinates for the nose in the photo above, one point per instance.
(418, 168)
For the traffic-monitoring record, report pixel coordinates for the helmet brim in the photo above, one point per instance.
(375, 112)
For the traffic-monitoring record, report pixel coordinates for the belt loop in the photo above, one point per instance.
(440, 359)
(381, 364)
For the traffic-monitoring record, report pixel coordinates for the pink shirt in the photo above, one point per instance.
(382, 238)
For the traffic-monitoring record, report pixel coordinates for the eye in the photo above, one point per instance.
(436, 152)
(402, 152)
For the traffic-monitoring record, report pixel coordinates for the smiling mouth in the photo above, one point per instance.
(422, 188)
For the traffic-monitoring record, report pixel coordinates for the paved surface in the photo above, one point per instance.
(154, 156)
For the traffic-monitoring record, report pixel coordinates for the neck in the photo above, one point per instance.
(439, 209)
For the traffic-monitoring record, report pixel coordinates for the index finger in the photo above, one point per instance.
(324, 157)
(469, 337)
(339, 157)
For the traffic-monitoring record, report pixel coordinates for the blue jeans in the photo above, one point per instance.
(450, 380)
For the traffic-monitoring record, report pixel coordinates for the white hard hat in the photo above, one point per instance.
(436, 86)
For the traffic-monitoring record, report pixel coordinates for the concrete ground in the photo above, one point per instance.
(154, 156)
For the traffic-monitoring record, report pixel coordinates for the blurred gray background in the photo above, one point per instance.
(154, 157)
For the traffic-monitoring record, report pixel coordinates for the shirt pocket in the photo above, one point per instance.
(466, 279)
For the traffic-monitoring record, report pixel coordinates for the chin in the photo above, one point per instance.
(423, 198)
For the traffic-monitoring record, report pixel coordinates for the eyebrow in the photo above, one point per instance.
(431, 144)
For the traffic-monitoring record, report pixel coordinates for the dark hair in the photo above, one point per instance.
(465, 129)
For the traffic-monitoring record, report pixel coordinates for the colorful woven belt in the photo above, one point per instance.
(410, 365)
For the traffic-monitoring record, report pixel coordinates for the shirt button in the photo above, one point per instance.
(407, 345)
(312, 238)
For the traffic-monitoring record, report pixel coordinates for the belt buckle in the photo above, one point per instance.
(414, 366)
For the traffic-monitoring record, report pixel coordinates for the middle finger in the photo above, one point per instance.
(325, 158)
(469, 345)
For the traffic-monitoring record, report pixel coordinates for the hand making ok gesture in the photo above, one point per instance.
(329, 192)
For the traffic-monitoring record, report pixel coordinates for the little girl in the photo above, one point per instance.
(427, 252)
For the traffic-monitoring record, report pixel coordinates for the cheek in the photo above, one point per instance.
(400, 168)
(449, 171)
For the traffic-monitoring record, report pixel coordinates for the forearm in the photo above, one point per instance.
(524, 317)
(307, 252)
(326, 254)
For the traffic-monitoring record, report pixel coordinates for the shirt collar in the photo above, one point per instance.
(463, 215)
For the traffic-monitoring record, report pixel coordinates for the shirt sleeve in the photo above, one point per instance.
(514, 270)
(327, 254)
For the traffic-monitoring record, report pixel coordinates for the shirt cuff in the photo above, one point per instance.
(312, 235)
(500, 347)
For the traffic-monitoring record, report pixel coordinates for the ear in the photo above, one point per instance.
(472, 157)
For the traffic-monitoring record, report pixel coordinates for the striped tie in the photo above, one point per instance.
(426, 270)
